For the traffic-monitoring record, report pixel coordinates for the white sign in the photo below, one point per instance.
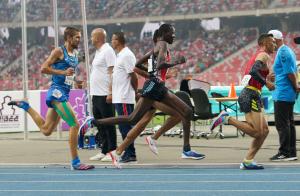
(12, 117)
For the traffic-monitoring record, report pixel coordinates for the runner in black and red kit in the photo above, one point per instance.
(250, 101)
(154, 91)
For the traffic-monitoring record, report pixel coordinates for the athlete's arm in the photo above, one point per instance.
(161, 58)
(78, 84)
(143, 60)
(139, 68)
(55, 55)
(141, 72)
(254, 72)
(271, 77)
(261, 62)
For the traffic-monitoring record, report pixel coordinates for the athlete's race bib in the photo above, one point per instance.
(56, 93)
(245, 80)
(69, 80)
(150, 65)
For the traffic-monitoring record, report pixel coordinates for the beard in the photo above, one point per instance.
(75, 46)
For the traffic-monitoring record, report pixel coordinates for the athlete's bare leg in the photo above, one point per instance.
(185, 114)
(173, 120)
(46, 126)
(135, 131)
(142, 106)
(73, 133)
(256, 127)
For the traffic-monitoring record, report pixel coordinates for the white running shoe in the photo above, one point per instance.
(97, 157)
(106, 158)
(152, 144)
(115, 159)
(86, 124)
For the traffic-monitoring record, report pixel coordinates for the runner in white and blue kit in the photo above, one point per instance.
(61, 64)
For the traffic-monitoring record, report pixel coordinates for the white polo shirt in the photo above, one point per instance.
(122, 91)
(99, 80)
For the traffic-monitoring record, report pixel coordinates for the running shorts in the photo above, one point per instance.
(154, 89)
(250, 100)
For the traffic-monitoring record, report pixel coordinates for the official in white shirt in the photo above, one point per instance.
(101, 91)
(124, 88)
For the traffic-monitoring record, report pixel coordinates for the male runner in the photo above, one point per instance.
(61, 64)
(250, 102)
(155, 91)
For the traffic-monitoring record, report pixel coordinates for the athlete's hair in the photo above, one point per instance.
(155, 36)
(261, 39)
(70, 32)
(164, 28)
(121, 37)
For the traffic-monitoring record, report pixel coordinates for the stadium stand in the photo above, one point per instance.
(231, 70)
(219, 54)
(9, 52)
(9, 10)
(284, 3)
(204, 51)
(40, 10)
(199, 51)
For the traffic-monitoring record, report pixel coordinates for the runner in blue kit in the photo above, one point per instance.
(61, 64)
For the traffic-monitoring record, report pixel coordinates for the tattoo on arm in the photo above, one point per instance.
(254, 72)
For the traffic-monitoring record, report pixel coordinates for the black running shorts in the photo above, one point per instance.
(154, 89)
(249, 100)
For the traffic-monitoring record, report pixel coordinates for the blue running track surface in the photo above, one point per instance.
(149, 181)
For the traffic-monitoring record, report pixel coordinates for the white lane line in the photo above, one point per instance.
(200, 164)
(145, 174)
(150, 181)
(140, 190)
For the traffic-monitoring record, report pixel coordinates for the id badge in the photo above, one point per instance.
(245, 80)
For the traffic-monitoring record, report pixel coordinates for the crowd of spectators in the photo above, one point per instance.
(41, 10)
(211, 47)
(202, 51)
(231, 70)
(9, 52)
(284, 3)
(9, 10)
(177, 7)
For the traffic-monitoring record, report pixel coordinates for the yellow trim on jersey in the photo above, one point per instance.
(254, 88)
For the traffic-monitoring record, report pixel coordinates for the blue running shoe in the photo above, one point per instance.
(222, 118)
(251, 166)
(20, 103)
(86, 125)
(192, 155)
